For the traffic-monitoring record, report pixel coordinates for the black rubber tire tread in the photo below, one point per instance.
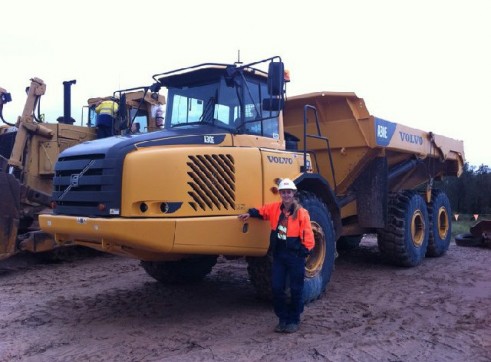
(348, 242)
(436, 245)
(189, 270)
(395, 241)
(467, 239)
(259, 268)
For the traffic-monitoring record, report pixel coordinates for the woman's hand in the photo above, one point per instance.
(244, 217)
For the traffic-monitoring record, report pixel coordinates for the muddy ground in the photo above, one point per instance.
(105, 308)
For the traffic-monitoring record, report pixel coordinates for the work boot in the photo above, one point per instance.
(280, 327)
(291, 328)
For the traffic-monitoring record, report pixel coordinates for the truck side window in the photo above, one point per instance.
(141, 118)
(185, 110)
(270, 125)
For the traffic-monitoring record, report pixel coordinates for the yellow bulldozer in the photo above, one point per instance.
(171, 198)
(29, 149)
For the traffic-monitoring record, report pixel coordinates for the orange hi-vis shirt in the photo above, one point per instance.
(296, 228)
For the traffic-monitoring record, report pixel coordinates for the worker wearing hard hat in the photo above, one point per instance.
(291, 240)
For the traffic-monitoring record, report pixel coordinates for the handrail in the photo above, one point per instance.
(318, 136)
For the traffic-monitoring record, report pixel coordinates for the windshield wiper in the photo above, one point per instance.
(214, 123)
(208, 110)
(186, 124)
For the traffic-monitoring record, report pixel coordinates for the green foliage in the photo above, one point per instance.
(461, 227)
(471, 192)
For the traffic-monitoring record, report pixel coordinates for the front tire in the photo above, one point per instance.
(183, 271)
(405, 239)
(319, 264)
(439, 213)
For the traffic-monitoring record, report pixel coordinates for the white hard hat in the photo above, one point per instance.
(286, 184)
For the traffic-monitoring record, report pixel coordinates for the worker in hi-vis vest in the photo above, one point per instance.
(106, 111)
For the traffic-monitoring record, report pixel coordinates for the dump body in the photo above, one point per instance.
(371, 157)
(356, 138)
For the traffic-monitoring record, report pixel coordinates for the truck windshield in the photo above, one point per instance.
(235, 106)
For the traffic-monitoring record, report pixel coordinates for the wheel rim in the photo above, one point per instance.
(443, 224)
(418, 228)
(315, 261)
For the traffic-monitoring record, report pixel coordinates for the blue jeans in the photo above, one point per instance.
(288, 263)
(104, 125)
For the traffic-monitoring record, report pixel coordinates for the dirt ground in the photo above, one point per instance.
(105, 308)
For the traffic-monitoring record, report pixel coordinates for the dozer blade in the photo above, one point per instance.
(480, 235)
(9, 213)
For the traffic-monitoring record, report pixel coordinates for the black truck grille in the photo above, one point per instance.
(81, 183)
(212, 181)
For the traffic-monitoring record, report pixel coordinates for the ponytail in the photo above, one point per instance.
(295, 206)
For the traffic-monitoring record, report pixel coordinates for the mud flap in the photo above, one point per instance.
(9, 213)
(371, 194)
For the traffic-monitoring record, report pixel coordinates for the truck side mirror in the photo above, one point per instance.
(276, 85)
(273, 104)
(276, 78)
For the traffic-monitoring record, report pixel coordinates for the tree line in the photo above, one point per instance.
(471, 192)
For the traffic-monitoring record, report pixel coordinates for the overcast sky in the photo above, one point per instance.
(424, 64)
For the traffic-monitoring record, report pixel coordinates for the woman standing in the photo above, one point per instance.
(291, 241)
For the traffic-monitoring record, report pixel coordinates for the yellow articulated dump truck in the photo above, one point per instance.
(171, 198)
(29, 149)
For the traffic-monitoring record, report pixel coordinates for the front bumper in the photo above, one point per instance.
(158, 238)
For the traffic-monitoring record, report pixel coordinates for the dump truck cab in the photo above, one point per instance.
(237, 100)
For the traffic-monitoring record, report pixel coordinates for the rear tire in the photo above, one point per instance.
(184, 271)
(319, 264)
(405, 239)
(439, 212)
